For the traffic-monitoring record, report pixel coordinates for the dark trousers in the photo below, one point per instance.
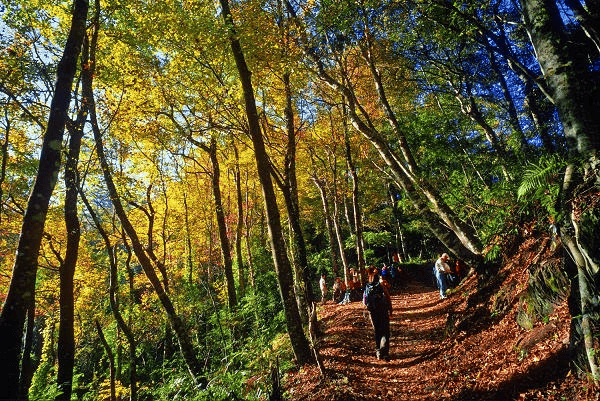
(380, 319)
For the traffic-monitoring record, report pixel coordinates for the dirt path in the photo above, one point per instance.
(417, 336)
(430, 357)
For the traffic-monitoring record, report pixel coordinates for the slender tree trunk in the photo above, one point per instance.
(330, 230)
(188, 238)
(289, 188)
(248, 227)
(541, 113)
(239, 225)
(470, 109)
(510, 104)
(338, 233)
(4, 150)
(398, 217)
(225, 246)
(300, 343)
(130, 338)
(358, 227)
(111, 361)
(220, 214)
(21, 292)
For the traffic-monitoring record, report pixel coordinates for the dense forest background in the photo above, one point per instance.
(176, 174)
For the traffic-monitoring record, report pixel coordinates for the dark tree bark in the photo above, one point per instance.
(300, 343)
(574, 87)
(111, 361)
(4, 150)
(289, 187)
(400, 251)
(239, 225)
(521, 146)
(219, 210)
(27, 367)
(357, 213)
(66, 335)
(248, 229)
(188, 238)
(21, 293)
(215, 176)
(337, 229)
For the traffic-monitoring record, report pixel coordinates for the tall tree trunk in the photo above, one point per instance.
(541, 111)
(521, 144)
(220, 215)
(27, 368)
(225, 246)
(215, 176)
(330, 230)
(4, 150)
(239, 225)
(21, 292)
(111, 361)
(400, 251)
(66, 334)
(130, 337)
(300, 343)
(188, 238)
(338, 232)
(575, 90)
(248, 227)
(289, 187)
(469, 108)
(358, 227)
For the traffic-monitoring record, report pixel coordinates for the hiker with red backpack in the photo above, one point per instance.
(379, 304)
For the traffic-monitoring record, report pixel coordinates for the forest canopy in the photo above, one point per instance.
(176, 174)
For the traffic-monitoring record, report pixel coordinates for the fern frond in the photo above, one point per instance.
(541, 175)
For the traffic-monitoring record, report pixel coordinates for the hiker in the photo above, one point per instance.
(349, 288)
(442, 270)
(323, 286)
(379, 304)
(460, 268)
(355, 286)
(339, 290)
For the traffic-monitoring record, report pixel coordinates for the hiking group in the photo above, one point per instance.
(375, 294)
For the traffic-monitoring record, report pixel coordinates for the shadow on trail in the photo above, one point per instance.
(412, 358)
(538, 376)
(419, 272)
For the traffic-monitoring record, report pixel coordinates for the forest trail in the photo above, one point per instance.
(440, 350)
(417, 327)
